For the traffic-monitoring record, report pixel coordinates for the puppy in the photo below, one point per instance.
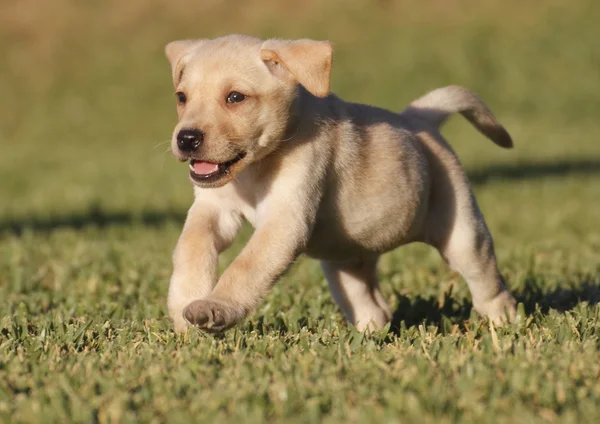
(341, 182)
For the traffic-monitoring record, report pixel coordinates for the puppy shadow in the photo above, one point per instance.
(449, 311)
(429, 311)
(562, 299)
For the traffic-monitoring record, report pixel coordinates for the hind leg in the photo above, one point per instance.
(355, 289)
(469, 250)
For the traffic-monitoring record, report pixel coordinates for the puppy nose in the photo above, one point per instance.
(188, 139)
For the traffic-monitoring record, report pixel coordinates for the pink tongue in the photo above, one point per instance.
(205, 168)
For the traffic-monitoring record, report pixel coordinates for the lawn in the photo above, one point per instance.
(92, 203)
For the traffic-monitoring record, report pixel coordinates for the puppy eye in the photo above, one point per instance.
(235, 97)
(181, 99)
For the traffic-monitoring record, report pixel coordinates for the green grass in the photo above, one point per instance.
(91, 207)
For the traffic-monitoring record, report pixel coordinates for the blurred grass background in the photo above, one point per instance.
(91, 204)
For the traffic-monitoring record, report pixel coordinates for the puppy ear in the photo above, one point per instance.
(175, 50)
(307, 61)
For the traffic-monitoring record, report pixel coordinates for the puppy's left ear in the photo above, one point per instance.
(308, 62)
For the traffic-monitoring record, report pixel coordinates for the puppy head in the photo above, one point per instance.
(236, 99)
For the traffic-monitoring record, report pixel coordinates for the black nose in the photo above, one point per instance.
(189, 139)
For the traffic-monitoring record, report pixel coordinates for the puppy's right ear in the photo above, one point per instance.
(175, 50)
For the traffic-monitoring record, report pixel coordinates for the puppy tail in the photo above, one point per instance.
(437, 105)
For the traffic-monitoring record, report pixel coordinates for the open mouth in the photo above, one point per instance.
(211, 172)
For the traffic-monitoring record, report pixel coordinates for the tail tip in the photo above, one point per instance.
(503, 139)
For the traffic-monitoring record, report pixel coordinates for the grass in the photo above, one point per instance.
(91, 207)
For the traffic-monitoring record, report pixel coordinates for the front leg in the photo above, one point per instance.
(208, 230)
(268, 254)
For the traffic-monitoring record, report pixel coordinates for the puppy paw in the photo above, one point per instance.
(212, 316)
(180, 325)
(501, 309)
(373, 320)
(176, 314)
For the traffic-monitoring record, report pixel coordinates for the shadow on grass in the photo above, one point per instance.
(533, 295)
(533, 170)
(97, 217)
(427, 311)
(430, 311)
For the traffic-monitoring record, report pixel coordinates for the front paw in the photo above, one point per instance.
(180, 325)
(212, 315)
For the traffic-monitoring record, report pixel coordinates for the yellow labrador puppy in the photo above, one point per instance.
(342, 182)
